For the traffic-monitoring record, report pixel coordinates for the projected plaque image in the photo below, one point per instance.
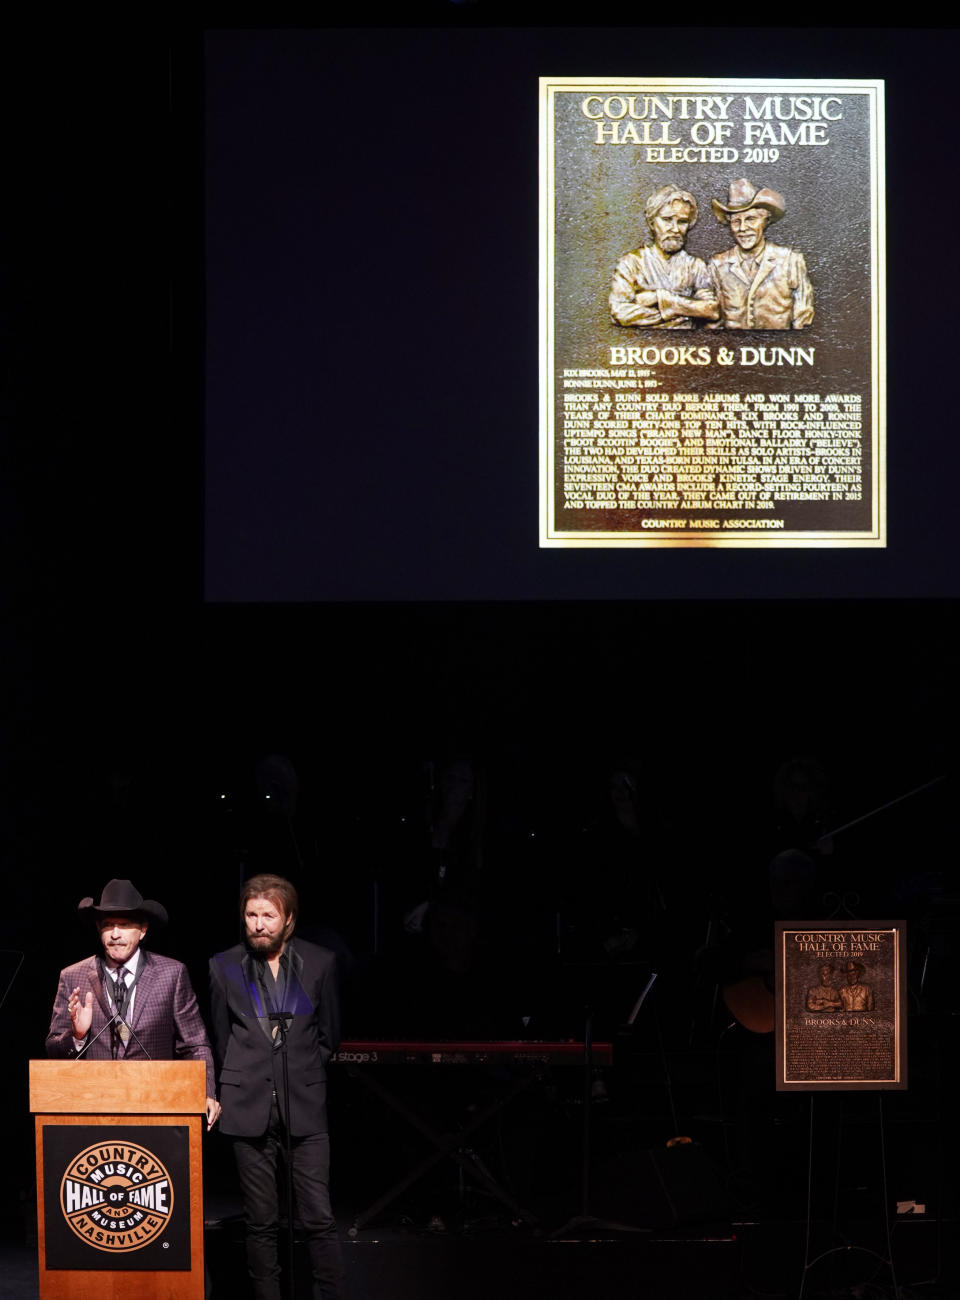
(712, 315)
(840, 1006)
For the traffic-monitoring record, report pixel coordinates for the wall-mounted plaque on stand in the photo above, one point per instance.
(712, 313)
(841, 1005)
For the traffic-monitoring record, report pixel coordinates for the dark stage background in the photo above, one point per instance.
(137, 719)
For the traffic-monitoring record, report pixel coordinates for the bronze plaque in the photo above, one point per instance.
(841, 1005)
(712, 313)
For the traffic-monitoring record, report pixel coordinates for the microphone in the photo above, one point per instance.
(112, 1021)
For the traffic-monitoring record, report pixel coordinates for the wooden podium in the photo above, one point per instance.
(119, 1178)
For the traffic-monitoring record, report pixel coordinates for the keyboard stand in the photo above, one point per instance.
(446, 1146)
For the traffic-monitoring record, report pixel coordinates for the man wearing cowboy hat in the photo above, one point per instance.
(148, 998)
(856, 995)
(761, 286)
(660, 286)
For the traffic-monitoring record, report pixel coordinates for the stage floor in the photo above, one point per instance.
(492, 1260)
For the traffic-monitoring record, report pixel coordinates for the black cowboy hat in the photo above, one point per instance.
(122, 898)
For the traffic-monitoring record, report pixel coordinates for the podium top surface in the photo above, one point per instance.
(79, 1087)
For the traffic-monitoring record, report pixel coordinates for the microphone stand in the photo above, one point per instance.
(927, 785)
(280, 1019)
(127, 1024)
(13, 952)
(102, 1030)
(106, 1025)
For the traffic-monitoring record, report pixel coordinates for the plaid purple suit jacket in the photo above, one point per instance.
(166, 1018)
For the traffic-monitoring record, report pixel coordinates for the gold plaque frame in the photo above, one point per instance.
(703, 394)
(841, 1006)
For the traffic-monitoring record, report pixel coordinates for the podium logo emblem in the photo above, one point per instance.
(117, 1196)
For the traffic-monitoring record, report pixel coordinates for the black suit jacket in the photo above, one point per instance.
(250, 1068)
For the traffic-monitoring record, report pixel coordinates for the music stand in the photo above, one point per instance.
(586, 1219)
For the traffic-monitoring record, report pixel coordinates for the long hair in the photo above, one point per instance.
(666, 194)
(278, 890)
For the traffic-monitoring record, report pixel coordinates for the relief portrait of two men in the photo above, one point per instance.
(756, 284)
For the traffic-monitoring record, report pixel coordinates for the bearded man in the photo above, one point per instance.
(275, 1018)
(660, 286)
